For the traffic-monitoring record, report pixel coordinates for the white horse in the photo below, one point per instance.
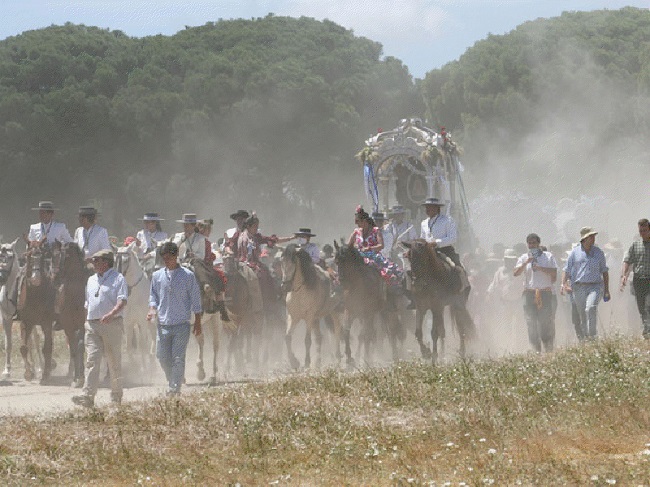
(9, 268)
(309, 299)
(140, 334)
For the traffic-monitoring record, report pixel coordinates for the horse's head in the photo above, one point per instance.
(123, 258)
(349, 260)
(229, 264)
(289, 265)
(423, 257)
(35, 266)
(7, 260)
(72, 261)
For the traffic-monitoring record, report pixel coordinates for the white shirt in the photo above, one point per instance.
(103, 293)
(504, 285)
(194, 246)
(145, 237)
(54, 231)
(537, 279)
(92, 240)
(440, 229)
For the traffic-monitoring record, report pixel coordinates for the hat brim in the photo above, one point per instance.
(431, 204)
(305, 234)
(151, 219)
(187, 221)
(588, 235)
(234, 216)
(44, 209)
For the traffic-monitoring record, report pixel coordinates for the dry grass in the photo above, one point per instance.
(578, 416)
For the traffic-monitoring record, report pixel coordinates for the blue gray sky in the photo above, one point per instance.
(424, 34)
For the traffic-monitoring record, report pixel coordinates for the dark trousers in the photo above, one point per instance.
(540, 322)
(642, 293)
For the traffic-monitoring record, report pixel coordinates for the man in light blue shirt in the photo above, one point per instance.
(174, 296)
(586, 275)
(106, 295)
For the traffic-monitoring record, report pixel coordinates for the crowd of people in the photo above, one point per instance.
(528, 277)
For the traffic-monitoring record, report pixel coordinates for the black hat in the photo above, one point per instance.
(239, 214)
(304, 232)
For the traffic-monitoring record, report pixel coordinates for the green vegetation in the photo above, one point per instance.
(577, 416)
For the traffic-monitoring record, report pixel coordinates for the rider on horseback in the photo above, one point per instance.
(191, 244)
(150, 235)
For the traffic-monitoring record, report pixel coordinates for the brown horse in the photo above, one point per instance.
(435, 286)
(36, 307)
(365, 298)
(71, 276)
(309, 298)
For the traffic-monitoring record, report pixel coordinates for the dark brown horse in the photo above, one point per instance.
(36, 307)
(436, 285)
(365, 298)
(71, 275)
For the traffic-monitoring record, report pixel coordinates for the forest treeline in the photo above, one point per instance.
(269, 112)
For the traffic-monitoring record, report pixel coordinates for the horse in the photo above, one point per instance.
(9, 268)
(211, 288)
(309, 298)
(36, 307)
(435, 286)
(71, 275)
(242, 317)
(140, 334)
(365, 297)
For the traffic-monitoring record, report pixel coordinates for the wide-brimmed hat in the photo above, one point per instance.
(188, 218)
(87, 210)
(103, 254)
(510, 254)
(151, 217)
(432, 201)
(378, 215)
(239, 214)
(45, 205)
(304, 232)
(587, 232)
(397, 210)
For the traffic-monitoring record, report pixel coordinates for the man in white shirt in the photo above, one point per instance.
(440, 229)
(150, 235)
(191, 244)
(540, 273)
(304, 235)
(47, 229)
(90, 237)
(399, 229)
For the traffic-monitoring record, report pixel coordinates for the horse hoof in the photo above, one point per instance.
(200, 374)
(78, 384)
(293, 361)
(44, 381)
(6, 375)
(29, 375)
(53, 364)
(213, 381)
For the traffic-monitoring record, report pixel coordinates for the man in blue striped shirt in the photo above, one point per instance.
(174, 296)
(586, 275)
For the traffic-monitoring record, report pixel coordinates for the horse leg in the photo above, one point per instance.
(200, 374)
(437, 332)
(7, 324)
(215, 351)
(309, 328)
(293, 361)
(47, 352)
(424, 349)
(25, 335)
(79, 346)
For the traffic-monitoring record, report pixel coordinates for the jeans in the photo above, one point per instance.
(586, 297)
(540, 322)
(171, 344)
(642, 294)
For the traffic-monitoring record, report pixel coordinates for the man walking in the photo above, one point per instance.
(586, 275)
(106, 294)
(540, 272)
(637, 259)
(174, 296)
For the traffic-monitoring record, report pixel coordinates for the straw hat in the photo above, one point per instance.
(45, 206)
(433, 202)
(188, 218)
(587, 232)
(151, 217)
(87, 211)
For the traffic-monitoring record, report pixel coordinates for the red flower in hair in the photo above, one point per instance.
(359, 209)
(128, 241)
